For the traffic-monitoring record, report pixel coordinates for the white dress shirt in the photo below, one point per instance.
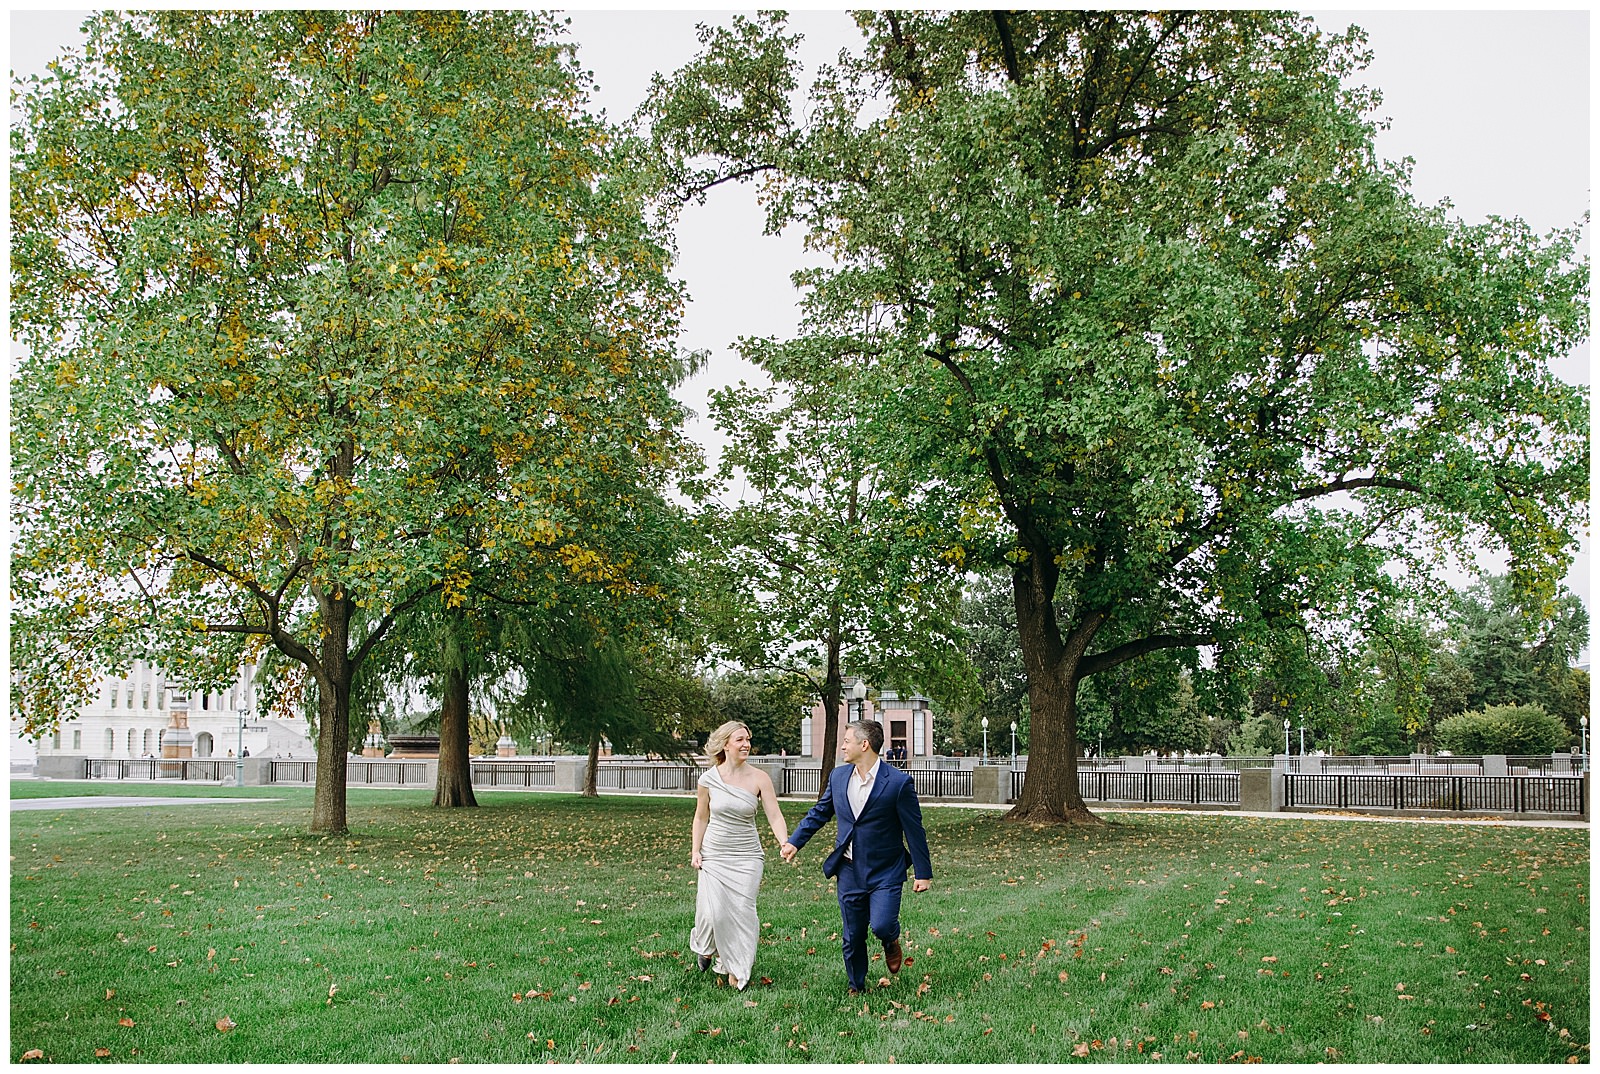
(858, 790)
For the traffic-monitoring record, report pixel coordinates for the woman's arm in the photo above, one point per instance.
(702, 817)
(769, 800)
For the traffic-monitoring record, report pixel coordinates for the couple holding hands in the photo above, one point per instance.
(879, 836)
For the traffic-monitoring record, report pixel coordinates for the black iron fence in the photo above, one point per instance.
(178, 768)
(645, 777)
(930, 782)
(801, 781)
(387, 773)
(1449, 793)
(514, 774)
(1216, 787)
(293, 772)
(941, 783)
(1447, 784)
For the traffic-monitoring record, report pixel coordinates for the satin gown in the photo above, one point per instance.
(731, 860)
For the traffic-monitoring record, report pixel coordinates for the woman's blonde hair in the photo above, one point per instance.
(717, 741)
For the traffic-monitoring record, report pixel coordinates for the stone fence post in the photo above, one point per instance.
(569, 774)
(991, 784)
(257, 771)
(773, 769)
(1259, 790)
(60, 766)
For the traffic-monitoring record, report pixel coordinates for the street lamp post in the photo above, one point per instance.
(1013, 743)
(1286, 738)
(238, 762)
(1302, 738)
(985, 723)
(1583, 731)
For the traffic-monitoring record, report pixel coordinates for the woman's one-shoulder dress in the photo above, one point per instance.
(731, 859)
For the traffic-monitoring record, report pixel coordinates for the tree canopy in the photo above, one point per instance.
(1201, 369)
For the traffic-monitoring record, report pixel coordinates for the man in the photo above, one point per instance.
(879, 815)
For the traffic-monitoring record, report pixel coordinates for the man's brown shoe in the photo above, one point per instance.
(893, 955)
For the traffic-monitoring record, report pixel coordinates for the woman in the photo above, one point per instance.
(727, 851)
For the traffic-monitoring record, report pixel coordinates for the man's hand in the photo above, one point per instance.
(788, 851)
(921, 885)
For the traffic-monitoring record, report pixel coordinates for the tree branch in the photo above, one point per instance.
(1007, 48)
(695, 190)
(1343, 484)
(387, 621)
(1092, 665)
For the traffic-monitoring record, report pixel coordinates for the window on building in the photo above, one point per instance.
(77, 739)
(205, 701)
(55, 741)
(111, 741)
(147, 740)
(144, 701)
(129, 697)
(132, 742)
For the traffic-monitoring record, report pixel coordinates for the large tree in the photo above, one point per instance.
(1202, 369)
(324, 312)
(1515, 651)
(814, 550)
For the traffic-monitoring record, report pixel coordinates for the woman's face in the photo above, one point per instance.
(739, 744)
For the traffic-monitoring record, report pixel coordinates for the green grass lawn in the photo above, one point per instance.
(545, 927)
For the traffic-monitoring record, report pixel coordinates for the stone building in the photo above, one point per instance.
(129, 716)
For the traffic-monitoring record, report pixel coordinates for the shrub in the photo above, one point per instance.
(1511, 729)
(1381, 732)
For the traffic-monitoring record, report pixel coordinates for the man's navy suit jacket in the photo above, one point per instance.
(890, 821)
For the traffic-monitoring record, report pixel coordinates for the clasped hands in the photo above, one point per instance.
(789, 850)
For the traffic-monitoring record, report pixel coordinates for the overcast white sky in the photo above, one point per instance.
(1493, 106)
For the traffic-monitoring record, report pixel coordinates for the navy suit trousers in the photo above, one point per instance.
(864, 908)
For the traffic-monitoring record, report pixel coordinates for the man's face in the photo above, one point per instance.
(852, 745)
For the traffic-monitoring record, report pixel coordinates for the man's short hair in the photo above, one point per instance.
(872, 731)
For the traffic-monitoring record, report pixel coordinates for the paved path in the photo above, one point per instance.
(1377, 818)
(108, 801)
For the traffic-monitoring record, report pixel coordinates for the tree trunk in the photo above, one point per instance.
(1050, 792)
(454, 785)
(328, 813)
(591, 785)
(832, 687)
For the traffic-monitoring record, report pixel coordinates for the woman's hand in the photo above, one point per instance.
(694, 859)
